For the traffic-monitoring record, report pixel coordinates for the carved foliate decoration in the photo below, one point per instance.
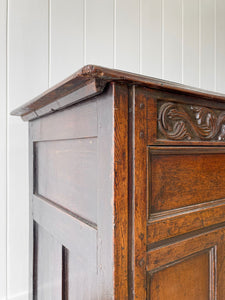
(190, 122)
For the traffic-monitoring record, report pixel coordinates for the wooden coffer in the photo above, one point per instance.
(127, 189)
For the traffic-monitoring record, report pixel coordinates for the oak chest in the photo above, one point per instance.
(127, 189)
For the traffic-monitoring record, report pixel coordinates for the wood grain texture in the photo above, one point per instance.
(190, 122)
(66, 174)
(81, 123)
(130, 210)
(80, 279)
(180, 248)
(186, 178)
(175, 119)
(49, 217)
(181, 221)
(188, 279)
(121, 191)
(81, 264)
(105, 183)
(98, 77)
(139, 179)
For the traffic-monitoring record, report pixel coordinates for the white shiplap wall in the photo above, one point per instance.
(44, 41)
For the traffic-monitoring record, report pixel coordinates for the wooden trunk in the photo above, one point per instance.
(127, 189)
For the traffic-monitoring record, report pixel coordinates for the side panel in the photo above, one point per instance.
(71, 196)
(66, 173)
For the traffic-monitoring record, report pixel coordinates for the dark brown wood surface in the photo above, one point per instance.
(139, 191)
(121, 257)
(183, 177)
(170, 282)
(90, 81)
(127, 197)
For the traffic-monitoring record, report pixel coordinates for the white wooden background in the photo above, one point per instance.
(44, 41)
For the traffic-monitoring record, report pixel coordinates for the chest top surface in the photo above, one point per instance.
(90, 81)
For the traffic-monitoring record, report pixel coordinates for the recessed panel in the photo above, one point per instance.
(82, 277)
(189, 279)
(66, 173)
(179, 177)
(47, 266)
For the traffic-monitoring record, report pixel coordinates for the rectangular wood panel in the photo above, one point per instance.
(48, 266)
(73, 245)
(188, 279)
(187, 268)
(185, 176)
(64, 226)
(181, 221)
(66, 173)
(80, 278)
(81, 121)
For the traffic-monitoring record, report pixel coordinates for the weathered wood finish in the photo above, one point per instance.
(74, 216)
(127, 189)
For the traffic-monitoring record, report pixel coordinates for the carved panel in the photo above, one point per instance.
(190, 122)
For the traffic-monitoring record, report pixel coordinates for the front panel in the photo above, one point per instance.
(184, 223)
(172, 280)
